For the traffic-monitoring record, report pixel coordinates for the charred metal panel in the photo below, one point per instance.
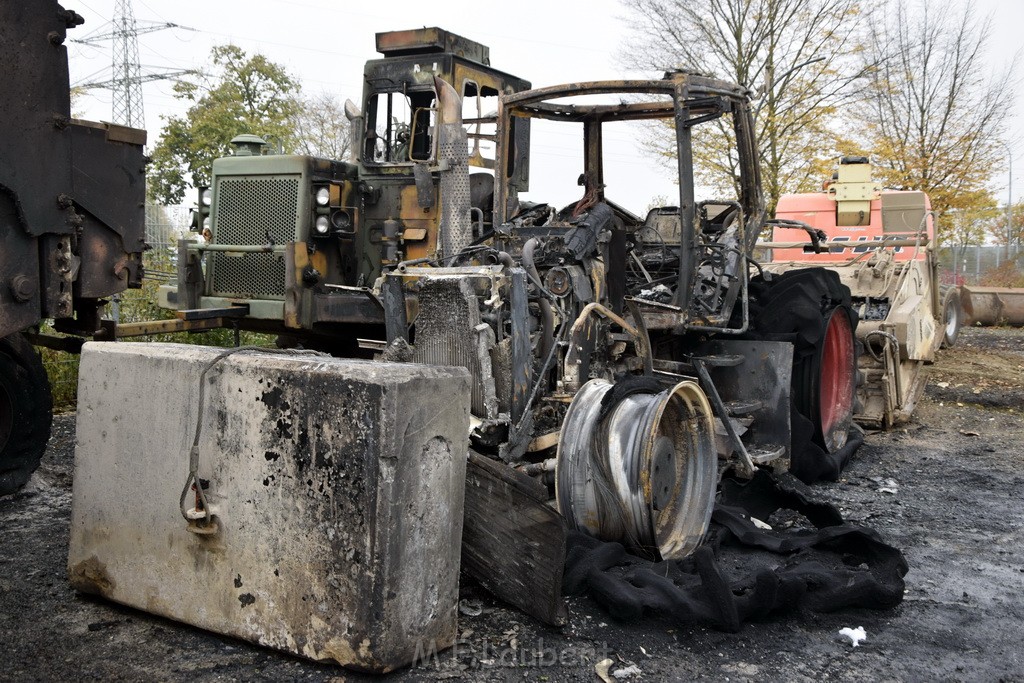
(109, 184)
(34, 113)
(336, 489)
(760, 384)
(396, 322)
(106, 267)
(522, 357)
(345, 307)
(19, 271)
(431, 40)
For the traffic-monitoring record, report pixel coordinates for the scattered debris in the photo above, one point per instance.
(969, 433)
(887, 486)
(761, 525)
(602, 668)
(627, 672)
(471, 608)
(854, 634)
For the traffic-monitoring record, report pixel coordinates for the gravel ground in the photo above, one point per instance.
(952, 483)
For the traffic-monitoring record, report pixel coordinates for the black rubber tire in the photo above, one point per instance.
(26, 412)
(952, 317)
(796, 307)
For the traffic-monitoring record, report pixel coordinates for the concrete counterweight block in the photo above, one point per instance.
(336, 487)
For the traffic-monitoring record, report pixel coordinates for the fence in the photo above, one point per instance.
(985, 265)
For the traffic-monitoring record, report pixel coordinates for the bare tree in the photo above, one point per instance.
(321, 127)
(799, 57)
(935, 117)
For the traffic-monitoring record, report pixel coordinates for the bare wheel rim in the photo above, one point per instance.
(645, 474)
(952, 318)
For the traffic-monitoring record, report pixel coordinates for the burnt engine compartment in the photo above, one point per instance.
(555, 298)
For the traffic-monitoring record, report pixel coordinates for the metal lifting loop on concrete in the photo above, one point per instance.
(643, 473)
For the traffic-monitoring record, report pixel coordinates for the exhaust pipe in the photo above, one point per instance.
(456, 229)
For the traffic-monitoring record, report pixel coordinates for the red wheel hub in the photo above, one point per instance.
(836, 388)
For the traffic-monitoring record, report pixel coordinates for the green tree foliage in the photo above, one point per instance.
(243, 94)
(935, 114)
(798, 57)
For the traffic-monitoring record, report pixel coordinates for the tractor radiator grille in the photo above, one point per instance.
(445, 330)
(248, 210)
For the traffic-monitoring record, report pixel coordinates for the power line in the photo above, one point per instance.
(126, 72)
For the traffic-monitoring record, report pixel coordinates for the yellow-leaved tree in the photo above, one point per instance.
(935, 113)
(799, 58)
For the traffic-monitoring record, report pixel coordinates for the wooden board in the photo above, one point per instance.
(513, 541)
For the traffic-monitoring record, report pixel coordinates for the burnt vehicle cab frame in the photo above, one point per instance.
(294, 242)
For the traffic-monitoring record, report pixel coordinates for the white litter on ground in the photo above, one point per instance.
(627, 672)
(854, 634)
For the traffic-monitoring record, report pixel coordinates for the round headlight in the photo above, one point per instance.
(206, 196)
(323, 196)
(340, 220)
(322, 225)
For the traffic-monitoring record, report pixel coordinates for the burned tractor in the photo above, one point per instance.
(293, 243)
(560, 313)
(621, 360)
(71, 222)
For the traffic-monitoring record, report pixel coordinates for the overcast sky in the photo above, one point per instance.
(324, 43)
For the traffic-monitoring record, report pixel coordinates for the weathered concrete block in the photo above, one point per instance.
(337, 488)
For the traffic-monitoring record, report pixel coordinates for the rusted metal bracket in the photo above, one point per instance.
(746, 466)
(239, 311)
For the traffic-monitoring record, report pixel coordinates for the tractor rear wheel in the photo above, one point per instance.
(811, 308)
(26, 412)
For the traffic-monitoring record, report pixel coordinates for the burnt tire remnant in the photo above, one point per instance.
(811, 309)
(829, 564)
(26, 412)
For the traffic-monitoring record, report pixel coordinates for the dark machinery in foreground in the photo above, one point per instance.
(71, 220)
